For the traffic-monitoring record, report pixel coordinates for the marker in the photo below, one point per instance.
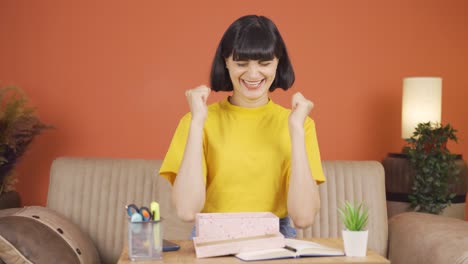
(135, 223)
(154, 207)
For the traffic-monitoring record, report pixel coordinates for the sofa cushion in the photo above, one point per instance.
(426, 238)
(40, 235)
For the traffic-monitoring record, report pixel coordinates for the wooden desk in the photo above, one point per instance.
(186, 254)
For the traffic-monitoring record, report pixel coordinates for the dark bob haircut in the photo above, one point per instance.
(251, 38)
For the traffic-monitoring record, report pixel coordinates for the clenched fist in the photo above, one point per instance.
(197, 98)
(300, 109)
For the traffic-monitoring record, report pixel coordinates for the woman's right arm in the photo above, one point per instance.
(188, 192)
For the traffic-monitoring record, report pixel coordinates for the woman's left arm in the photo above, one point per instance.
(303, 193)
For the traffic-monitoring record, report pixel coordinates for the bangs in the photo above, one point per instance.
(254, 43)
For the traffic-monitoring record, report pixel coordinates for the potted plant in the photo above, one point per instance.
(435, 172)
(355, 236)
(18, 127)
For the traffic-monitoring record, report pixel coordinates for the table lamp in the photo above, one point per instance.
(422, 103)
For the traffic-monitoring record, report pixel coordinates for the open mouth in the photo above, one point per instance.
(252, 85)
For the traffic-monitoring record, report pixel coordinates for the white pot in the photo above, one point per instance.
(355, 243)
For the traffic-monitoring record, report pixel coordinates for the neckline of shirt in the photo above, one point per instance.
(246, 110)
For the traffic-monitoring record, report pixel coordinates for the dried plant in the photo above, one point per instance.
(18, 127)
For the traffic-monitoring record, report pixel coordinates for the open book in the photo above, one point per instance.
(294, 249)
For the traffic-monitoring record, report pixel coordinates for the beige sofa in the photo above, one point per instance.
(92, 193)
(83, 188)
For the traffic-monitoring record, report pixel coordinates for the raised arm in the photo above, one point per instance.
(303, 193)
(188, 193)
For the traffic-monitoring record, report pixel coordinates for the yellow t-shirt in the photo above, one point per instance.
(246, 157)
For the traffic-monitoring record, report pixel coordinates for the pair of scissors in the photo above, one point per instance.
(139, 214)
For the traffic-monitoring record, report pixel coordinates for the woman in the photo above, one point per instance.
(246, 153)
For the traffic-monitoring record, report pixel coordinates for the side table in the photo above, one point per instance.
(186, 254)
(399, 180)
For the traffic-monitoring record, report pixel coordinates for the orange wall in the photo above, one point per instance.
(111, 75)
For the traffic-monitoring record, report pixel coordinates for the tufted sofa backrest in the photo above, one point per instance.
(93, 192)
(354, 181)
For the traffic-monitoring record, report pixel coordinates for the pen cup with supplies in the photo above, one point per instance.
(144, 234)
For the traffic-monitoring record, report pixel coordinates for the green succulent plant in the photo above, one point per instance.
(354, 216)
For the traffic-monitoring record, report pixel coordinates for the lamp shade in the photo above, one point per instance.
(422, 102)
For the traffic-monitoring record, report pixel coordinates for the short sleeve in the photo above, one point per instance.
(313, 152)
(171, 163)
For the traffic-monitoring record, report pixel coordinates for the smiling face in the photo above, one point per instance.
(251, 80)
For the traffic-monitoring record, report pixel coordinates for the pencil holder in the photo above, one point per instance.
(145, 240)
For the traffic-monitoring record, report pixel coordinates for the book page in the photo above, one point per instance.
(275, 253)
(308, 248)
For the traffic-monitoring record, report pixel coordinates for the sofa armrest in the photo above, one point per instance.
(426, 238)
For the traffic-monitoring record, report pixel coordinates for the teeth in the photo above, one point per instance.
(253, 83)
